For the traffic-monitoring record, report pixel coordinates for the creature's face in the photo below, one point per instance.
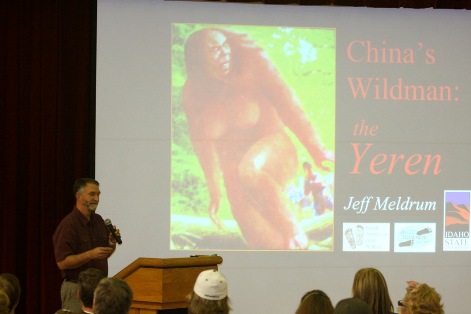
(217, 54)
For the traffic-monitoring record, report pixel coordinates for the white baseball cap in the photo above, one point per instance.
(211, 285)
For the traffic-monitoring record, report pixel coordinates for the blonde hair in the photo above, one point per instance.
(422, 299)
(369, 285)
(10, 284)
(198, 305)
(4, 302)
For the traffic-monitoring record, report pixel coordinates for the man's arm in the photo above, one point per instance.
(75, 261)
(294, 117)
(204, 148)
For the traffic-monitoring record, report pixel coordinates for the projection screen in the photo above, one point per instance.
(299, 143)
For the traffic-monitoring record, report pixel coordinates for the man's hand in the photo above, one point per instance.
(101, 252)
(111, 239)
(75, 261)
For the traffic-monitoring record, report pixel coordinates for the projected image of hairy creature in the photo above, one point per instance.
(238, 107)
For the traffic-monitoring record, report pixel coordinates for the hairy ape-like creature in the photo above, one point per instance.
(237, 108)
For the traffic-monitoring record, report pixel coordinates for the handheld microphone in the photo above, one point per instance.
(110, 226)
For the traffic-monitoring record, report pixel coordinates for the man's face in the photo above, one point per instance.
(217, 53)
(90, 197)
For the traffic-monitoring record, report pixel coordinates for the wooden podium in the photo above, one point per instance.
(162, 285)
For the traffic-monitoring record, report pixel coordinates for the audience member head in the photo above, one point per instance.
(315, 302)
(209, 294)
(87, 282)
(10, 284)
(112, 296)
(370, 286)
(352, 306)
(421, 299)
(4, 302)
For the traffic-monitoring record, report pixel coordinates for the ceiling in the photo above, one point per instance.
(415, 4)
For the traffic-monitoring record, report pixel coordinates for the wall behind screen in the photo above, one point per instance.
(133, 160)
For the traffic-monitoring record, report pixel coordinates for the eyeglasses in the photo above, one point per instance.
(400, 303)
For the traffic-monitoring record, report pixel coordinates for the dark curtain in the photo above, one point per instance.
(47, 131)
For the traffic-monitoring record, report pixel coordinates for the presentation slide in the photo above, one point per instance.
(299, 143)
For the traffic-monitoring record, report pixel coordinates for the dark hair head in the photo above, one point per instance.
(352, 306)
(11, 285)
(112, 296)
(315, 302)
(81, 183)
(199, 305)
(87, 282)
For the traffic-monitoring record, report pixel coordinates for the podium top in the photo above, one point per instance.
(147, 262)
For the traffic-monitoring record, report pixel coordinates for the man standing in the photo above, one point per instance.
(82, 241)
